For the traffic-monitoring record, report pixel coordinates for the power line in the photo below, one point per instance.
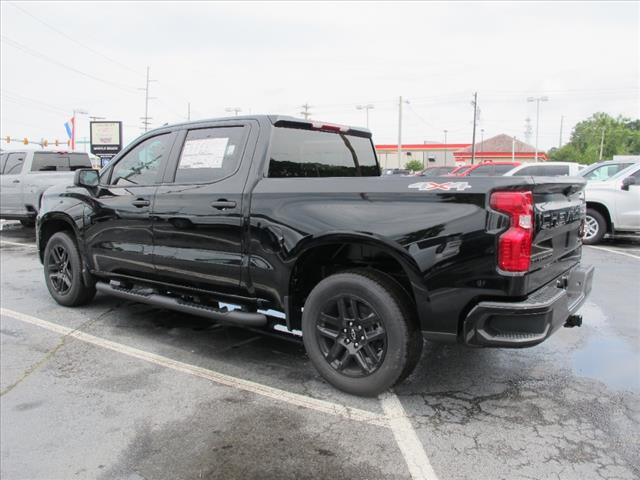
(42, 56)
(70, 38)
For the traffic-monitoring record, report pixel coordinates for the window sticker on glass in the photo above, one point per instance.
(204, 153)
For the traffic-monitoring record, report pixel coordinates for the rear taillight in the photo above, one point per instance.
(514, 245)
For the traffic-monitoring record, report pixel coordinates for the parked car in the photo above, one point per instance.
(436, 171)
(603, 171)
(234, 219)
(395, 171)
(613, 205)
(25, 175)
(547, 169)
(489, 169)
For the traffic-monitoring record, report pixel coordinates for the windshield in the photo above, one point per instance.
(601, 173)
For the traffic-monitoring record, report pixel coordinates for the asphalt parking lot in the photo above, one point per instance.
(123, 390)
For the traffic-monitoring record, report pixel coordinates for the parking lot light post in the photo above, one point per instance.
(537, 100)
(445, 148)
(366, 108)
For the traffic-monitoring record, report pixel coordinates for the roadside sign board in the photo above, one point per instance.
(106, 138)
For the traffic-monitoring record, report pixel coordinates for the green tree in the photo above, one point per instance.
(621, 137)
(413, 165)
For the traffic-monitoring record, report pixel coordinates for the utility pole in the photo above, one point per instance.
(189, 111)
(73, 126)
(537, 100)
(400, 102)
(602, 143)
(236, 110)
(146, 118)
(475, 120)
(561, 122)
(366, 108)
(305, 112)
(445, 148)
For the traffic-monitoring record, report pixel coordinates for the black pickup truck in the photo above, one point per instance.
(271, 222)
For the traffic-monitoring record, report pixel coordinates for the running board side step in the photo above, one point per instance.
(230, 317)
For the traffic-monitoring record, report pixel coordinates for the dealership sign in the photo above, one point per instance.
(106, 138)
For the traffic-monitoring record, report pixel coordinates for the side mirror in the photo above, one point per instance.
(86, 177)
(628, 181)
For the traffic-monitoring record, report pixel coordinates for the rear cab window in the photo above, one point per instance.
(301, 152)
(59, 162)
(543, 170)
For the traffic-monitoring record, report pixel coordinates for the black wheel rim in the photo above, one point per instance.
(351, 336)
(59, 269)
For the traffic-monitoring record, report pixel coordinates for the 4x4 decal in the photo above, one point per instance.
(447, 186)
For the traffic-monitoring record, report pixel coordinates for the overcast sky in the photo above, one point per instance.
(273, 57)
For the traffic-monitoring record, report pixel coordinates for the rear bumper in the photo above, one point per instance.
(531, 321)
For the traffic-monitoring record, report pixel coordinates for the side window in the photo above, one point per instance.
(501, 169)
(14, 164)
(3, 161)
(210, 154)
(141, 165)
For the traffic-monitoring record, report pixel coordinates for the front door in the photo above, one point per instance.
(12, 184)
(119, 237)
(197, 214)
(628, 205)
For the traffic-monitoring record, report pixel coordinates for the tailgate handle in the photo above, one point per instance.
(222, 204)
(141, 202)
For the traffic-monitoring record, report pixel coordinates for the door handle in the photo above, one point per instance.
(16, 181)
(141, 203)
(222, 204)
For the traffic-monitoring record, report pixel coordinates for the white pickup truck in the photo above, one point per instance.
(613, 203)
(25, 175)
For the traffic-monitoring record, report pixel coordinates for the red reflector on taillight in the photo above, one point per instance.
(514, 245)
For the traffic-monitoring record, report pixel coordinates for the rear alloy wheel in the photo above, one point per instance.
(595, 227)
(63, 272)
(360, 332)
(352, 338)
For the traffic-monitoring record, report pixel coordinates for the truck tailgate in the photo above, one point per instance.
(559, 211)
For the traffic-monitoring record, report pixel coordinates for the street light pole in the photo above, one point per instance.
(366, 108)
(537, 100)
(445, 148)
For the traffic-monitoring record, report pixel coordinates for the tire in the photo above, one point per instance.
(28, 223)
(333, 335)
(595, 227)
(63, 272)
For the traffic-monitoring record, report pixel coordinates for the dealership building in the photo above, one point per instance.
(499, 148)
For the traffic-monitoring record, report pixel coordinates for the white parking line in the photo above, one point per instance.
(610, 250)
(394, 416)
(412, 450)
(31, 245)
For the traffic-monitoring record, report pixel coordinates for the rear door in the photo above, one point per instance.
(118, 236)
(198, 216)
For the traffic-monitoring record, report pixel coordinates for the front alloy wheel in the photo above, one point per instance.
(59, 269)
